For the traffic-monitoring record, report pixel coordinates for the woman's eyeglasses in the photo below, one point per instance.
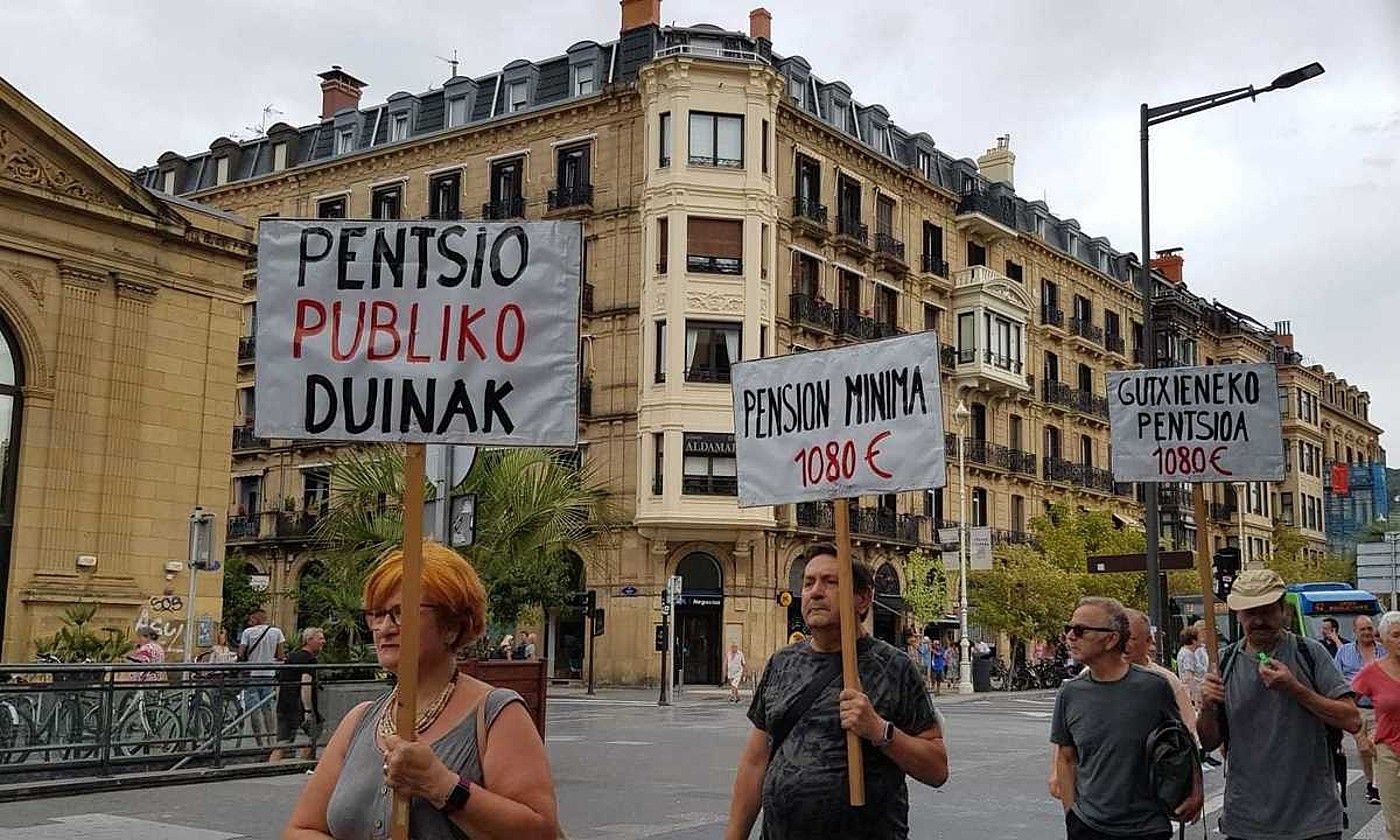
(394, 614)
(1078, 630)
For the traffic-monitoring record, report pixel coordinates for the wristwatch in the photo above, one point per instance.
(457, 799)
(888, 737)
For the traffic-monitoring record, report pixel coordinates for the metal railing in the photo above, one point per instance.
(853, 229)
(505, 208)
(243, 438)
(809, 210)
(998, 209)
(1052, 315)
(913, 528)
(710, 485)
(853, 324)
(579, 195)
(934, 265)
(60, 720)
(247, 347)
(1085, 328)
(1114, 342)
(948, 355)
(586, 302)
(706, 51)
(812, 312)
(701, 264)
(887, 246)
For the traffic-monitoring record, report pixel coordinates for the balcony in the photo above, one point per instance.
(986, 216)
(1222, 511)
(1052, 316)
(577, 197)
(809, 217)
(1058, 393)
(585, 398)
(291, 525)
(996, 456)
(884, 329)
(1002, 536)
(881, 523)
(243, 527)
(244, 439)
(1175, 306)
(1021, 462)
(816, 515)
(852, 324)
(853, 235)
(586, 300)
(701, 264)
(948, 356)
(1061, 471)
(247, 344)
(813, 313)
(1086, 329)
(1114, 343)
(889, 253)
(505, 208)
(707, 375)
(710, 485)
(934, 265)
(1092, 478)
(1087, 402)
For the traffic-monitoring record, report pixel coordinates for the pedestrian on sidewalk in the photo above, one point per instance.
(938, 667)
(1350, 659)
(148, 651)
(734, 669)
(1100, 727)
(794, 763)
(297, 696)
(478, 767)
(1272, 704)
(1192, 662)
(1379, 682)
(261, 643)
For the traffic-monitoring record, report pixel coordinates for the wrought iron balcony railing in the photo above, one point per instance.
(1052, 315)
(247, 346)
(996, 208)
(853, 324)
(578, 195)
(809, 210)
(506, 208)
(935, 265)
(811, 312)
(852, 228)
(1085, 328)
(243, 438)
(887, 246)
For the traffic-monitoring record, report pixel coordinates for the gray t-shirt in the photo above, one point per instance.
(804, 789)
(1108, 723)
(1280, 783)
(262, 646)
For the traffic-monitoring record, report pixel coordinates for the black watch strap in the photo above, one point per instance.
(457, 799)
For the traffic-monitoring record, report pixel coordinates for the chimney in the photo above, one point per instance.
(1168, 262)
(639, 13)
(1283, 334)
(761, 24)
(339, 90)
(997, 163)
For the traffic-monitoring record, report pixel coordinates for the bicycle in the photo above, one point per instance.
(48, 722)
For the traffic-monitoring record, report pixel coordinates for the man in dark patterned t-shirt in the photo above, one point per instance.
(802, 784)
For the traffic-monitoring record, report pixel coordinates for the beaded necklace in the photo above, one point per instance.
(389, 727)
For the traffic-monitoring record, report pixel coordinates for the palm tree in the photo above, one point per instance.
(533, 507)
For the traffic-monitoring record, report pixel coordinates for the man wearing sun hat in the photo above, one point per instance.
(1273, 702)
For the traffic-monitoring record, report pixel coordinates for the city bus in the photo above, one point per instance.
(1308, 604)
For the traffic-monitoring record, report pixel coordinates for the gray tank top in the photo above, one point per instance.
(361, 802)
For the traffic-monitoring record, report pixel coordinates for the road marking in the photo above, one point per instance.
(631, 743)
(1036, 715)
(1373, 830)
(109, 827)
(586, 701)
(563, 737)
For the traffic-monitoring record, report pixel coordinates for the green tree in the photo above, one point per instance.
(1295, 565)
(77, 641)
(532, 508)
(926, 592)
(240, 598)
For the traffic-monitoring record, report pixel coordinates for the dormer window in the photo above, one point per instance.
(398, 128)
(221, 171)
(797, 91)
(881, 140)
(582, 79)
(167, 182)
(345, 141)
(279, 157)
(1103, 261)
(1040, 226)
(516, 96)
(456, 111)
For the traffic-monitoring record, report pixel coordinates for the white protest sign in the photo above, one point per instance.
(418, 331)
(861, 419)
(979, 548)
(1196, 424)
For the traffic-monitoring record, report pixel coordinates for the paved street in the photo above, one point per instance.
(628, 770)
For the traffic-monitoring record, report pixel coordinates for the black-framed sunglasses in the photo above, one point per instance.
(1078, 630)
(394, 613)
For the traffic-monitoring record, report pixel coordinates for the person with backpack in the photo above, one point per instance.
(1278, 702)
(794, 763)
(261, 643)
(1106, 723)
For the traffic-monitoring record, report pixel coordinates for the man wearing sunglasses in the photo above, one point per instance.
(1100, 728)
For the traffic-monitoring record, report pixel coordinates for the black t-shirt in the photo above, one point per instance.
(289, 690)
(805, 787)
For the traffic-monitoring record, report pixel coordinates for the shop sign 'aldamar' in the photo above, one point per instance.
(1196, 424)
(418, 331)
(856, 420)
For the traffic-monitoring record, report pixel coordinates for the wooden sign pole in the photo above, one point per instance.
(850, 675)
(412, 591)
(1212, 643)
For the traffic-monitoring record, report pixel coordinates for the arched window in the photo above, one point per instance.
(11, 404)
(886, 580)
(700, 574)
(795, 572)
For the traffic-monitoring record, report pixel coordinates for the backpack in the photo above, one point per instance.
(1334, 734)
(519, 652)
(1172, 762)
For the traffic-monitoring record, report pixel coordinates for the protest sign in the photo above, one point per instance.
(861, 419)
(418, 331)
(1196, 424)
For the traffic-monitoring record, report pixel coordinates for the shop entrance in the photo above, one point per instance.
(567, 639)
(699, 620)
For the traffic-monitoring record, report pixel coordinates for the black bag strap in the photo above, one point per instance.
(254, 646)
(798, 708)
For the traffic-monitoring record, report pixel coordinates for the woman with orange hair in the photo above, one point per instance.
(457, 786)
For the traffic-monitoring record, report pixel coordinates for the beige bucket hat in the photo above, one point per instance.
(1256, 588)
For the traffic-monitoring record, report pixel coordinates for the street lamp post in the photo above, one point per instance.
(1392, 537)
(1148, 117)
(961, 414)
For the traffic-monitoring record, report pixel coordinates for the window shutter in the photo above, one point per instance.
(715, 237)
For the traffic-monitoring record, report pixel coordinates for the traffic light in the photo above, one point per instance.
(665, 607)
(586, 601)
(660, 637)
(1227, 567)
(202, 541)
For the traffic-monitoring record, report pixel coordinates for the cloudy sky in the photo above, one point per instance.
(1285, 207)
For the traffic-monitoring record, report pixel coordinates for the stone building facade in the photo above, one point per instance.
(735, 205)
(118, 328)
